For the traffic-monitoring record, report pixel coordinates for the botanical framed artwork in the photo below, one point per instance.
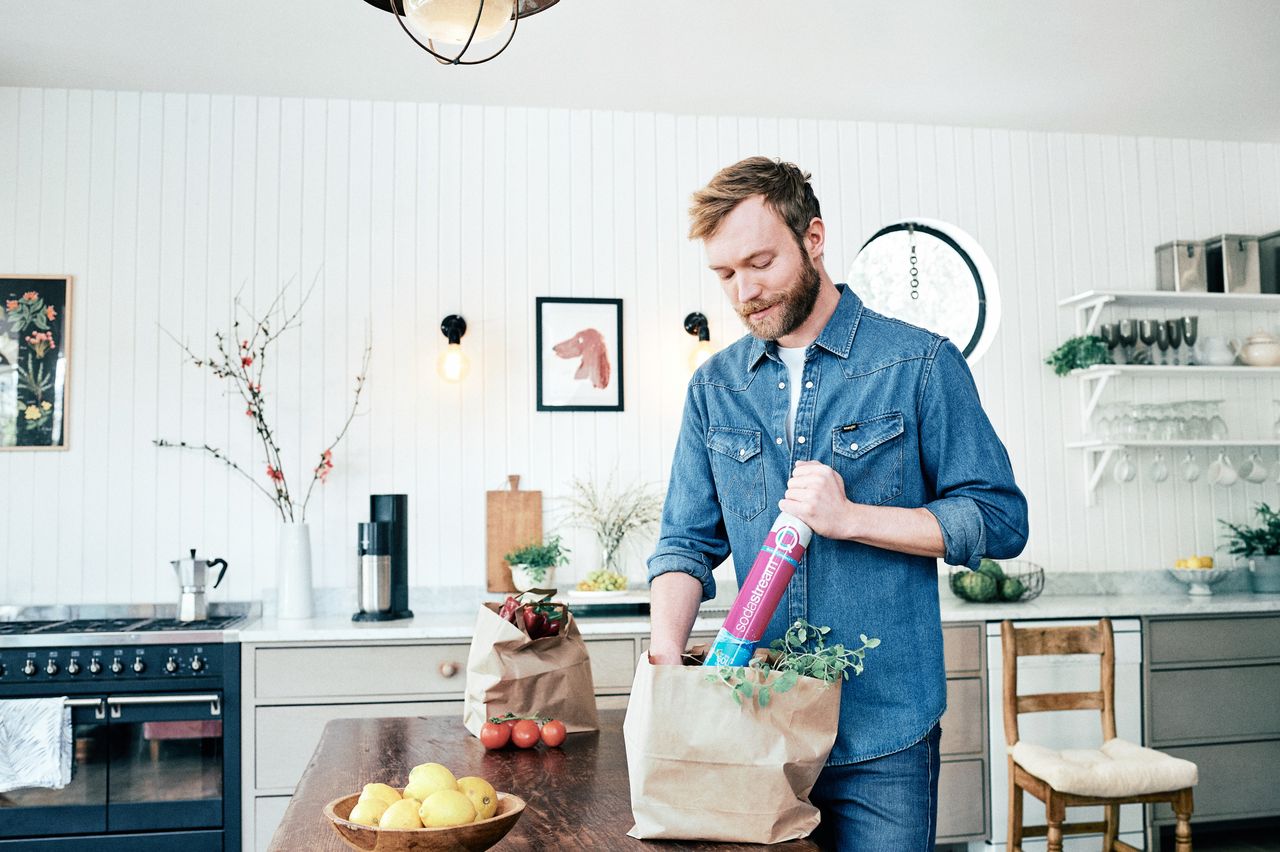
(579, 354)
(35, 324)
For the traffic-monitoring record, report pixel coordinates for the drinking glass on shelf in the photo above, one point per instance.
(1159, 470)
(1197, 420)
(1162, 341)
(1217, 426)
(1110, 334)
(1275, 428)
(1190, 331)
(1190, 467)
(1128, 330)
(1147, 334)
(1173, 328)
(1125, 470)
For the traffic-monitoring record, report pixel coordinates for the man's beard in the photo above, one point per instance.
(794, 306)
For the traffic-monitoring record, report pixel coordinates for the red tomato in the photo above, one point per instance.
(493, 735)
(553, 733)
(509, 724)
(525, 733)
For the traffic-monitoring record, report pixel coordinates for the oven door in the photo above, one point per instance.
(81, 806)
(166, 761)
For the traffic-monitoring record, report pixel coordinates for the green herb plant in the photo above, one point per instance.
(539, 557)
(1077, 353)
(801, 652)
(1262, 540)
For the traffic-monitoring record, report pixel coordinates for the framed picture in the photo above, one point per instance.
(35, 328)
(579, 354)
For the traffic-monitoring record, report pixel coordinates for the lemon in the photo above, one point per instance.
(368, 811)
(1182, 563)
(428, 778)
(383, 792)
(401, 814)
(482, 795)
(444, 808)
(1206, 561)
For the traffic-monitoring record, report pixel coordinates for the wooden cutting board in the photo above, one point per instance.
(513, 519)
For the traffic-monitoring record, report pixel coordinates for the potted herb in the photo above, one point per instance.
(534, 565)
(613, 515)
(1078, 353)
(1261, 546)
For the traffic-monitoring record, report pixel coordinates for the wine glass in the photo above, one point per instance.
(1275, 428)
(1190, 467)
(1125, 470)
(1128, 330)
(1110, 334)
(1190, 331)
(1173, 328)
(1162, 342)
(1217, 426)
(1147, 334)
(1159, 470)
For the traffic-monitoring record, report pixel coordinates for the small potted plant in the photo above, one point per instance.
(1261, 546)
(534, 565)
(613, 515)
(1078, 353)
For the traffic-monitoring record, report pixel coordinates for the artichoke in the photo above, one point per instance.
(977, 586)
(1011, 588)
(991, 568)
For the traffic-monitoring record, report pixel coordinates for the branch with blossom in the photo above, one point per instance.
(240, 361)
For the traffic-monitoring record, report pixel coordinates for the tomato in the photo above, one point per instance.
(525, 733)
(494, 735)
(553, 733)
(509, 724)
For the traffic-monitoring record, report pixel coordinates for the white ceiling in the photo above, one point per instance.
(1187, 68)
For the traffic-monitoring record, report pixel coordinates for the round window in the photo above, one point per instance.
(934, 275)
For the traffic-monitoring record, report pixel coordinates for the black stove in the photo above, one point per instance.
(114, 625)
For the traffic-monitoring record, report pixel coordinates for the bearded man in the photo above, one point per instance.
(870, 431)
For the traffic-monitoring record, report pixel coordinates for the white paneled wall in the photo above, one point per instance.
(165, 206)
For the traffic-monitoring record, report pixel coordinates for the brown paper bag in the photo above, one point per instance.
(704, 768)
(507, 672)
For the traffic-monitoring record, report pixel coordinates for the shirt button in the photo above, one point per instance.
(853, 447)
(782, 385)
(777, 440)
(742, 452)
(800, 440)
(808, 384)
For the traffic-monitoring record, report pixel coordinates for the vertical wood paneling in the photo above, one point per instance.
(166, 206)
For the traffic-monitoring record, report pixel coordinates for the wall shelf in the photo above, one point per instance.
(1089, 305)
(1093, 380)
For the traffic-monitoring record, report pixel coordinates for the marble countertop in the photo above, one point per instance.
(457, 625)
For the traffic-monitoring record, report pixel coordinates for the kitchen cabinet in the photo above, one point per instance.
(1211, 685)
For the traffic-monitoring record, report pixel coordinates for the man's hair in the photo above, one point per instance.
(785, 188)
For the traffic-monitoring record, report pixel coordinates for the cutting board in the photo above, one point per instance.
(513, 519)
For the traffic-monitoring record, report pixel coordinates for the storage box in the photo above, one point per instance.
(1232, 264)
(1180, 266)
(1269, 262)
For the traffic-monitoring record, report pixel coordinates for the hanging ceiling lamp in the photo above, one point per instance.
(459, 23)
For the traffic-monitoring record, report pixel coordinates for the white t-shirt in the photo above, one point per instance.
(794, 359)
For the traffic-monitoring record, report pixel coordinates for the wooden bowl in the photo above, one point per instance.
(472, 837)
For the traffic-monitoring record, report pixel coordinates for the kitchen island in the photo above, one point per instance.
(577, 795)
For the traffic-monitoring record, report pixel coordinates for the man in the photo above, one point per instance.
(870, 431)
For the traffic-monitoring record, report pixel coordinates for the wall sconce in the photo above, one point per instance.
(696, 324)
(453, 363)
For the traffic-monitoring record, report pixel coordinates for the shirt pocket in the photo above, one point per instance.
(737, 466)
(869, 458)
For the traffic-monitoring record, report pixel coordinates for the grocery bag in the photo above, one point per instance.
(507, 672)
(704, 767)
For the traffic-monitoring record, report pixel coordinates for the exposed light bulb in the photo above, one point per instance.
(451, 21)
(701, 351)
(453, 364)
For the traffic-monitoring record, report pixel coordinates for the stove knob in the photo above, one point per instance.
(1, 669)
(52, 668)
(117, 665)
(171, 665)
(197, 664)
(73, 667)
(95, 666)
(29, 668)
(138, 665)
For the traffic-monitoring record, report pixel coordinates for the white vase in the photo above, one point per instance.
(293, 571)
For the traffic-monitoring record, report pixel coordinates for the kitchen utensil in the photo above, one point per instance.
(1222, 472)
(1190, 467)
(1147, 334)
(1173, 330)
(1253, 469)
(1190, 332)
(373, 570)
(1214, 352)
(1110, 334)
(1259, 350)
(514, 519)
(471, 836)
(192, 578)
(1128, 337)
(1199, 580)
(1162, 342)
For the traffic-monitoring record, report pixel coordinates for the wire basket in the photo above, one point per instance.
(1027, 582)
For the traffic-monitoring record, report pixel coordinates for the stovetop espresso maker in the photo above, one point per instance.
(192, 577)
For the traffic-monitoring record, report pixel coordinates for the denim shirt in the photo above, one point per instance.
(894, 409)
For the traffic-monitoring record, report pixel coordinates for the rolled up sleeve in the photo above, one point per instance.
(968, 475)
(693, 538)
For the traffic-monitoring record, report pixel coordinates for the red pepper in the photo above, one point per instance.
(508, 611)
(535, 623)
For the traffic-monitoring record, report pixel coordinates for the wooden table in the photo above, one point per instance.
(578, 795)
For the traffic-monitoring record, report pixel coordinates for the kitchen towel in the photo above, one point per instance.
(704, 767)
(35, 743)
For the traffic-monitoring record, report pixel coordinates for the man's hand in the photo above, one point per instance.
(816, 495)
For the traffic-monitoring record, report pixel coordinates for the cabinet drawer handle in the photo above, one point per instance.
(448, 669)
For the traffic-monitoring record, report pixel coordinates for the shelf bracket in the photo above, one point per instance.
(1092, 385)
(1088, 313)
(1095, 462)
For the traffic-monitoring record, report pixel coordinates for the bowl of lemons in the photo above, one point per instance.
(433, 812)
(1199, 573)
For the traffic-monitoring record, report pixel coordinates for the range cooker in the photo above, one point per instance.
(155, 711)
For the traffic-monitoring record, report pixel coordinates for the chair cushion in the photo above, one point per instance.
(1119, 768)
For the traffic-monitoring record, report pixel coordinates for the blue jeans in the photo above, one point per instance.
(886, 804)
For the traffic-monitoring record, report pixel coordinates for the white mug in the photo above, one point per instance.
(1221, 472)
(1254, 470)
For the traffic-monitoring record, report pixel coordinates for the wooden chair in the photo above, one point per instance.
(1125, 772)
